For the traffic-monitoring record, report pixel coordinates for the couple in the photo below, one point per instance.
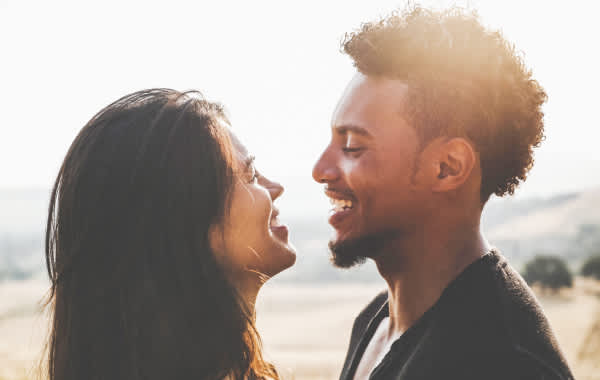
(161, 231)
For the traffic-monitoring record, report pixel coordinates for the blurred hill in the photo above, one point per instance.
(567, 225)
(22, 223)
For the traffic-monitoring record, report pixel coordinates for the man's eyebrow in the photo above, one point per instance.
(343, 129)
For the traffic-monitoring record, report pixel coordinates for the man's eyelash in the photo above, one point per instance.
(351, 149)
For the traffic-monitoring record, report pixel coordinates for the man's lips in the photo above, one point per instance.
(339, 194)
(343, 203)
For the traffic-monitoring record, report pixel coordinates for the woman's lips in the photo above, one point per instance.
(279, 230)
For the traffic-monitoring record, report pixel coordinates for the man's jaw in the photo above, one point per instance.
(346, 253)
(349, 251)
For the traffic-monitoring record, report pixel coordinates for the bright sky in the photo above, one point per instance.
(276, 67)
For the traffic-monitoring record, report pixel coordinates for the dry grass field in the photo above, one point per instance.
(305, 329)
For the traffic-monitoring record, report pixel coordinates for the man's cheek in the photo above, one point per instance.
(361, 174)
(351, 168)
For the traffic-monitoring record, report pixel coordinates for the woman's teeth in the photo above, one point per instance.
(340, 204)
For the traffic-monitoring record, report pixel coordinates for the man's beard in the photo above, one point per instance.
(351, 252)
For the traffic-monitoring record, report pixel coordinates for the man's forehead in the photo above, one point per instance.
(367, 97)
(369, 94)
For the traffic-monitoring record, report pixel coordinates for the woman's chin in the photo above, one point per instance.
(284, 259)
(291, 256)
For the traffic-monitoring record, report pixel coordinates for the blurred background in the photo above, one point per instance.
(276, 67)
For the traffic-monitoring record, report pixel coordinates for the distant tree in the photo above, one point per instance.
(549, 272)
(591, 267)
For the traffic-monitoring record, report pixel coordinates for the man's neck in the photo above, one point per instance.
(418, 269)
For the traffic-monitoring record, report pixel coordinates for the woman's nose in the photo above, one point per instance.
(275, 188)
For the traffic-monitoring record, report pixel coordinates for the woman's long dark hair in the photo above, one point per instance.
(136, 291)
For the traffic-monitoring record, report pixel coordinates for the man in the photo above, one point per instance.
(441, 114)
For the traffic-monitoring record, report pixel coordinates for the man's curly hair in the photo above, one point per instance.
(464, 81)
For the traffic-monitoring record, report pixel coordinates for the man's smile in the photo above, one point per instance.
(340, 204)
(343, 205)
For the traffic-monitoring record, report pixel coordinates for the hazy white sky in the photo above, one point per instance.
(275, 65)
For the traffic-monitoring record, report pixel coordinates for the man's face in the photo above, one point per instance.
(370, 169)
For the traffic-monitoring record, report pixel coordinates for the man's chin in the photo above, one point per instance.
(347, 253)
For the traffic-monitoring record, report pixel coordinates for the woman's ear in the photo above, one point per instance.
(455, 159)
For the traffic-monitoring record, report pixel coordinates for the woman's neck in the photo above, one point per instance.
(248, 288)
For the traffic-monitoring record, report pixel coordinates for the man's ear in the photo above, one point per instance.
(455, 159)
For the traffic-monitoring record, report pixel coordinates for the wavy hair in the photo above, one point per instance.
(136, 291)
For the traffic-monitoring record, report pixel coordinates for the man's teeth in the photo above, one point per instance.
(340, 204)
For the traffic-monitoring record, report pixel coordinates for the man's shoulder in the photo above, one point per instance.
(519, 313)
(529, 365)
(502, 363)
(494, 310)
(516, 363)
(492, 290)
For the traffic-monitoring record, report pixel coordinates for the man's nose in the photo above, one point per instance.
(325, 169)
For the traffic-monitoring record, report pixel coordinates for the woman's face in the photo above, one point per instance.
(251, 242)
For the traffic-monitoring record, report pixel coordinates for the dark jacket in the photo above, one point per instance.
(487, 324)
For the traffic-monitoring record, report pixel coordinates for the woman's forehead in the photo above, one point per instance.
(240, 150)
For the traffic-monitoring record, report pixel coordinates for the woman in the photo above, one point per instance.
(160, 234)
